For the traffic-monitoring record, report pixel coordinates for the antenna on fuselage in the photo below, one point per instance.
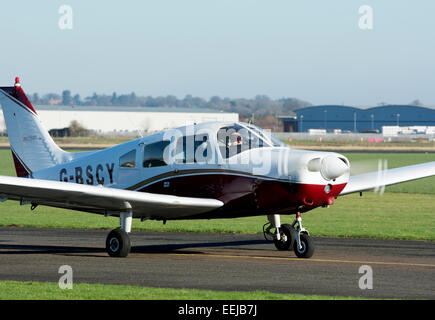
(140, 133)
(251, 121)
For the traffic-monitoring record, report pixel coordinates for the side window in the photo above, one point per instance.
(128, 160)
(192, 149)
(153, 154)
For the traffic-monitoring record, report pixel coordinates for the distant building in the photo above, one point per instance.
(290, 123)
(124, 120)
(395, 131)
(350, 119)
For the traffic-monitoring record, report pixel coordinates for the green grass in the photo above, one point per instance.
(14, 290)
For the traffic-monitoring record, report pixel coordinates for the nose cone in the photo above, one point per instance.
(333, 167)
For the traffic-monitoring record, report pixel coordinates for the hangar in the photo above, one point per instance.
(347, 118)
(108, 120)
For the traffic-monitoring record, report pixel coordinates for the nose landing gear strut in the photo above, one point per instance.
(304, 245)
(288, 237)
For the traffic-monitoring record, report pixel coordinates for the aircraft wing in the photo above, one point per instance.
(378, 179)
(99, 199)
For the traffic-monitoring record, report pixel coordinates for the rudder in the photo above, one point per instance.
(32, 147)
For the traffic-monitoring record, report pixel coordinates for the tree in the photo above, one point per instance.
(35, 98)
(171, 101)
(76, 100)
(51, 99)
(66, 98)
(77, 130)
(114, 99)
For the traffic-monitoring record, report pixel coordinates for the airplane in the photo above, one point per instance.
(202, 171)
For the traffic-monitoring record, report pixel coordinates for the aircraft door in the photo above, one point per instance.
(128, 168)
(194, 160)
(156, 166)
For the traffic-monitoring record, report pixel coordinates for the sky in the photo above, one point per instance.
(312, 50)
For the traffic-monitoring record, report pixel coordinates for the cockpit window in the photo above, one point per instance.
(235, 139)
(153, 154)
(128, 160)
(267, 136)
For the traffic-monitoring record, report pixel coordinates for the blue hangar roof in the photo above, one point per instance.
(355, 119)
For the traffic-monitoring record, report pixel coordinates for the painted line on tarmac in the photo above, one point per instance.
(310, 259)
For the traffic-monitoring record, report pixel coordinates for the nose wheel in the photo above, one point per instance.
(289, 237)
(305, 249)
(304, 244)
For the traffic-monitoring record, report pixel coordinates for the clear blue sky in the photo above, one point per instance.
(312, 50)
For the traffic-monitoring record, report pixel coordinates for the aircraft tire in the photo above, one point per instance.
(307, 244)
(118, 243)
(288, 231)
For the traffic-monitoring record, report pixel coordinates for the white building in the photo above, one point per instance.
(393, 131)
(316, 131)
(125, 120)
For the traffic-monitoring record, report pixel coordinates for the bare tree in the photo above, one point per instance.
(77, 130)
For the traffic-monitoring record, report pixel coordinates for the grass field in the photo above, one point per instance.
(15, 290)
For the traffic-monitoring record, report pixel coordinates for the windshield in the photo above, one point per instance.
(267, 136)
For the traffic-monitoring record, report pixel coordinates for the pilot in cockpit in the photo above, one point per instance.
(236, 139)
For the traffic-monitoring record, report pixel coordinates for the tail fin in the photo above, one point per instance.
(32, 147)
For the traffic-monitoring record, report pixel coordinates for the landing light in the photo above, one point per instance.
(327, 188)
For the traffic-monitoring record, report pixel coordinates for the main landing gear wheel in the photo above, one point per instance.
(118, 243)
(306, 248)
(287, 238)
